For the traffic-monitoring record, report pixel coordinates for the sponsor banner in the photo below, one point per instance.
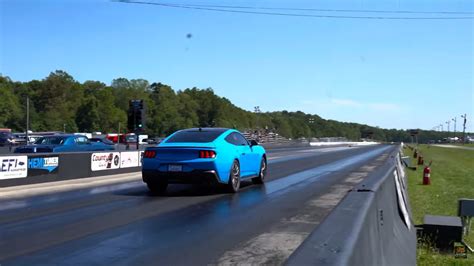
(43, 165)
(129, 159)
(13, 167)
(105, 161)
(141, 158)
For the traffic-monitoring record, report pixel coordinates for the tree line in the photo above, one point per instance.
(60, 102)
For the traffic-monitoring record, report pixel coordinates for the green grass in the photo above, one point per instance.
(452, 177)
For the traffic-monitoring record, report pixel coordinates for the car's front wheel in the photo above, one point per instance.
(260, 179)
(233, 184)
(157, 187)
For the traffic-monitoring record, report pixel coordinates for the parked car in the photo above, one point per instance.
(20, 138)
(204, 155)
(153, 140)
(103, 140)
(128, 139)
(6, 139)
(64, 143)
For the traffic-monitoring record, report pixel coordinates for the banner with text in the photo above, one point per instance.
(13, 167)
(129, 159)
(105, 161)
(43, 165)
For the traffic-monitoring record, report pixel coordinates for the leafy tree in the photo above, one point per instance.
(164, 118)
(9, 104)
(109, 115)
(59, 100)
(87, 118)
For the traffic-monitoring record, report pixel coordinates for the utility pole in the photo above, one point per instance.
(64, 128)
(119, 129)
(464, 129)
(448, 122)
(454, 119)
(27, 118)
(441, 125)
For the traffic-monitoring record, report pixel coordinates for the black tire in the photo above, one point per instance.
(260, 179)
(157, 188)
(233, 185)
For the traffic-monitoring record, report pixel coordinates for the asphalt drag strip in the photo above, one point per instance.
(190, 224)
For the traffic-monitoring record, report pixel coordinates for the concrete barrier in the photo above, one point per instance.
(372, 225)
(20, 169)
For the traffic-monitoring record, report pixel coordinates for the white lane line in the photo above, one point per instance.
(275, 157)
(328, 149)
(309, 152)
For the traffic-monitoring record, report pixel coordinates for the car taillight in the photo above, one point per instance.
(207, 154)
(150, 154)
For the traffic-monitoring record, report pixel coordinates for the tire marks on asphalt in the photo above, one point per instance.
(277, 244)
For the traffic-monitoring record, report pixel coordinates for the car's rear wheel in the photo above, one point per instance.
(260, 179)
(157, 187)
(233, 184)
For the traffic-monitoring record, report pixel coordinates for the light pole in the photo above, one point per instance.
(448, 122)
(27, 118)
(64, 128)
(454, 132)
(464, 129)
(441, 125)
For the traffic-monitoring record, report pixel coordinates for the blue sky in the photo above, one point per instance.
(387, 73)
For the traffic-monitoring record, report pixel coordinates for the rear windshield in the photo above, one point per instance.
(51, 140)
(131, 137)
(194, 136)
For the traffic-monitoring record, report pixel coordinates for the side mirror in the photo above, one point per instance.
(253, 142)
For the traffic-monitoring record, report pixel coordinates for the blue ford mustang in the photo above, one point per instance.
(204, 155)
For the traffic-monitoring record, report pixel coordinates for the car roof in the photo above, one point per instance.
(62, 135)
(218, 129)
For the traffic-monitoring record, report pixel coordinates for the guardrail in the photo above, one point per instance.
(372, 225)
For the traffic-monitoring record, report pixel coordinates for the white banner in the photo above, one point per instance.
(105, 161)
(129, 159)
(13, 167)
(141, 158)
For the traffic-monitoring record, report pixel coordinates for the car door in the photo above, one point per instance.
(65, 145)
(245, 156)
(255, 157)
(239, 150)
(82, 144)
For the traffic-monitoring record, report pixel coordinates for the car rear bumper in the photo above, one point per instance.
(192, 177)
